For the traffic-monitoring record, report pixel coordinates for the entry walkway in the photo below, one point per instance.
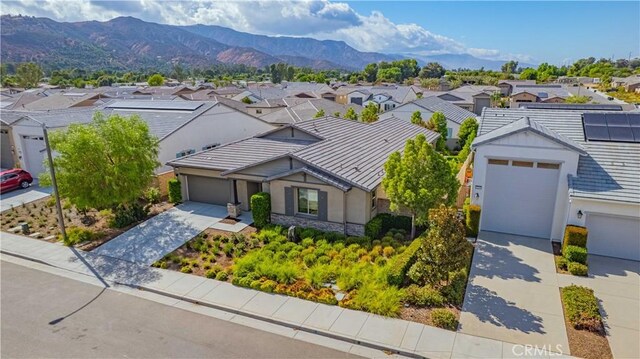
(280, 314)
(164, 233)
(513, 293)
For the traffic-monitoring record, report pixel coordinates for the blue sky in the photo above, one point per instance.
(532, 32)
(548, 31)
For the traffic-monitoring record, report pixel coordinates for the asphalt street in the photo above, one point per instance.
(47, 316)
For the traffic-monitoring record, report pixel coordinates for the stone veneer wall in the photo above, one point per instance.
(352, 229)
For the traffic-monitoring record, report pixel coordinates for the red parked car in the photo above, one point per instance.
(15, 178)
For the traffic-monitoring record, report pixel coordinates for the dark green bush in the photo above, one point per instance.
(424, 296)
(576, 268)
(454, 291)
(575, 236)
(472, 219)
(126, 215)
(261, 209)
(444, 318)
(581, 307)
(402, 262)
(175, 191)
(384, 222)
(575, 254)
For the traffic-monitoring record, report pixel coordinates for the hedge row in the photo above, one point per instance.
(581, 306)
(575, 236)
(402, 263)
(175, 191)
(384, 222)
(472, 219)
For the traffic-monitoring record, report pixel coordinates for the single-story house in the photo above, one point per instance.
(323, 173)
(305, 109)
(428, 106)
(386, 97)
(182, 127)
(536, 171)
(539, 93)
(472, 98)
(506, 86)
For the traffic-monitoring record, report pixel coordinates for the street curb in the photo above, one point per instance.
(372, 345)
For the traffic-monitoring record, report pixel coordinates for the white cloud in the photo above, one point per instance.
(320, 19)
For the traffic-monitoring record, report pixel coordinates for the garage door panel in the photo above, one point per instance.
(208, 190)
(519, 199)
(33, 151)
(613, 236)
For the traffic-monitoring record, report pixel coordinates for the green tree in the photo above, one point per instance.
(496, 96)
(106, 163)
(370, 72)
(370, 113)
(391, 74)
(351, 114)
(468, 127)
(509, 67)
(155, 80)
(529, 74)
(438, 123)
(432, 70)
(416, 118)
(319, 114)
(29, 75)
(444, 249)
(246, 100)
(418, 179)
(179, 73)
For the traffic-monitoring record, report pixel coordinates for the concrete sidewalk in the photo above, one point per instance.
(278, 313)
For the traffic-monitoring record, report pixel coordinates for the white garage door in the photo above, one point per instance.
(519, 197)
(33, 152)
(6, 160)
(614, 236)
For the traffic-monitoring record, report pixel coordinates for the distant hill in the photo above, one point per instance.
(127, 43)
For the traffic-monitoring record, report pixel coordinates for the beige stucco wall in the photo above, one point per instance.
(523, 97)
(335, 207)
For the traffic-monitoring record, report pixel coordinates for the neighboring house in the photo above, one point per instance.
(473, 98)
(386, 97)
(536, 171)
(68, 99)
(323, 173)
(305, 109)
(7, 146)
(629, 83)
(506, 86)
(539, 93)
(428, 106)
(182, 127)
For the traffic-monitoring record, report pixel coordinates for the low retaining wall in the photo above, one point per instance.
(352, 229)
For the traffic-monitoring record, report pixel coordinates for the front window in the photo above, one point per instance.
(308, 201)
(449, 132)
(374, 199)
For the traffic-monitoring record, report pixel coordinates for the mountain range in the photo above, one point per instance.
(127, 43)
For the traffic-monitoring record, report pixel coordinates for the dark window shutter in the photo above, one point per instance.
(288, 201)
(322, 205)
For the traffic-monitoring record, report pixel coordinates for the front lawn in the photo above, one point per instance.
(352, 272)
(87, 230)
(630, 97)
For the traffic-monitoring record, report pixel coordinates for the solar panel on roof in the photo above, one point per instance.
(612, 127)
(620, 134)
(543, 94)
(598, 133)
(594, 119)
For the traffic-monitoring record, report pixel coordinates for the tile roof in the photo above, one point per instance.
(452, 112)
(306, 110)
(349, 152)
(542, 91)
(318, 174)
(609, 171)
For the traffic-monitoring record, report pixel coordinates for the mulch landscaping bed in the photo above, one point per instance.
(423, 315)
(42, 218)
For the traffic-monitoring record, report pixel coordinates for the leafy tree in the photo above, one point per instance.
(528, 74)
(370, 113)
(468, 127)
(106, 163)
(509, 67)
(438, 123)
(156, 80)
(246, 100)
(430, 84)
(370, 72)
(496, 97)
(391, 74)
(444, 249)
(319, 114)
(179, 73)
(351, 114)
(418, 179)
(466, 148)
(416, 118)
(28, 75)
(432, 70)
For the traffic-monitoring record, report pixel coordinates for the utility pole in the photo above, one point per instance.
(52, 172)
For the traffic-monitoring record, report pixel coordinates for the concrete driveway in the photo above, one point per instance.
(18, 197)
(513, 293)
(616, 284)
(162, 234)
